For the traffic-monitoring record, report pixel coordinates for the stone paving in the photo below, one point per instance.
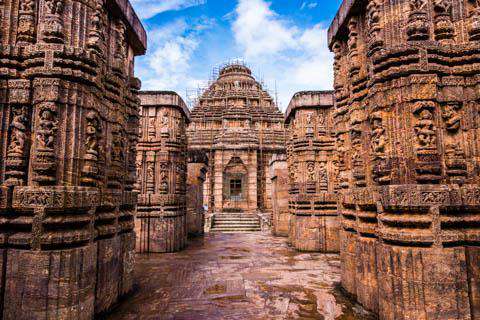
(238, 276)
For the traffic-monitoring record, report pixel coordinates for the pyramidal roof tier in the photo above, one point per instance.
(236, 94)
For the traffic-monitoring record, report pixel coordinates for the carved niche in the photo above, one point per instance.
(44, 165)
(26, 21)
(443, 25)
(418, 28)
(93, 131)
(428, 169)
(17, 147)
(53, 23)
(373, 16)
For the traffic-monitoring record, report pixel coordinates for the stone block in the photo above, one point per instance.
(58, 284)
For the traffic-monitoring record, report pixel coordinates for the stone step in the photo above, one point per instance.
(236, 225)
(235, 221)
(230, 220)
(234, 230)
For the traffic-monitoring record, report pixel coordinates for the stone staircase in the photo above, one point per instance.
(235, 223)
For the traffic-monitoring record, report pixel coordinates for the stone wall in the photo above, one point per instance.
(162, 172)
(407, 119)
(196, 171)
(279, 195)
(68, 119)
(314, 224)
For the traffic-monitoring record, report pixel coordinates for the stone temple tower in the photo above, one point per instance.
(237, 124)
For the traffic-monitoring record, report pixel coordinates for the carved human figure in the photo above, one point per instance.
(46, 129)
(378, 134)
(152, 128)
(311, 171)
(91, 132)
(443, 6)
(118, 147)
(18, 128)
(96, 35)
(53, 28)
(451, 117)
(323, 176)
(425, 129)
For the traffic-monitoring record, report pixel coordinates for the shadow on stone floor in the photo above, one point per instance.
(238, 276)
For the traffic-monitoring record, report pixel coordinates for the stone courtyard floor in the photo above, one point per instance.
(238, 276)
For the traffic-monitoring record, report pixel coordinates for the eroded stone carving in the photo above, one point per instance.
(400, 218)
(162, 164)
(312, 169)
(65, 233)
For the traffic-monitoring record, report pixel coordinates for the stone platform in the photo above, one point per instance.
(238, 276)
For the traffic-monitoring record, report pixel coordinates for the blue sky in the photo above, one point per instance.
(283, 41)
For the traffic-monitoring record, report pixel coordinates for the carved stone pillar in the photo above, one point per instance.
(313, 201)
(279, 178)
(162, 155)
(412, 213)
(197, 169)
(66, 231)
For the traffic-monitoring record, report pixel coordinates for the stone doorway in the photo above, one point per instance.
(235, 191)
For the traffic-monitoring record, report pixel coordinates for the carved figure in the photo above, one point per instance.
(451, 117)
(18, 132)
(425, 129)
(47, 128)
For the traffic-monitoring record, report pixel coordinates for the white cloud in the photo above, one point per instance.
(149, 8)
(309, 5)
(260, 31)
(171, 51)
(298, 59)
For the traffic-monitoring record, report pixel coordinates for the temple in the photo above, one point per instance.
(238, 126)
(362, 202)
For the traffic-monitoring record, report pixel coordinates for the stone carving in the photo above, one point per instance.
(474, 22)
(425, 129)
(17, 148)
(46, 131)
(92, 133)
(161, 222)
(236, 118)
(417, 28)
(379, 139)
(353, 47)
(96, 37)
(66, 233)
(444, 29)
(26, 21)
(53, 23)
(313, 223)
(451, 117)
(375, 41)
(411, 210)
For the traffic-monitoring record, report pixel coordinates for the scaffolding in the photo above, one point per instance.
(193, 95)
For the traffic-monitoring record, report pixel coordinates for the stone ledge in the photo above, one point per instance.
(124, 9)
(309, 99)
